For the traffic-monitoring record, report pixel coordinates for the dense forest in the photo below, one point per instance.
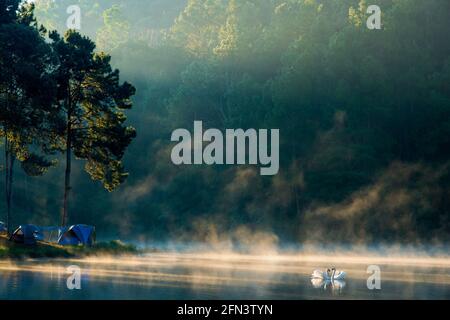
(364, 119)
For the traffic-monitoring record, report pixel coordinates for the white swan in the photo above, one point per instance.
(331, 275)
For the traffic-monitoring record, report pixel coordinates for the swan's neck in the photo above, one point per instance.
(332, 274)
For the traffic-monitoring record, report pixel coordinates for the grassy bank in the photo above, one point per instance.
(10, 250)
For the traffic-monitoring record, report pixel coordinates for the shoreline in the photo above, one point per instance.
(15, 251)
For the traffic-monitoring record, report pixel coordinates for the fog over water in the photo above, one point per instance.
(212, 275)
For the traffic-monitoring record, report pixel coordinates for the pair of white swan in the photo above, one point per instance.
(331, 278)
(329, 275)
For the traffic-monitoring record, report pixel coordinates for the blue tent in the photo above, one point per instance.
(26, 234)
(52, 234)
(78, 234)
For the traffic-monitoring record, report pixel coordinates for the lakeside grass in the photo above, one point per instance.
(11, 250)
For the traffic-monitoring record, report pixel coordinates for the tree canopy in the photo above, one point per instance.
(363, 116)
(56, 94)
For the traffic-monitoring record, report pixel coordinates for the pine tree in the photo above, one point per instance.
(26, 92)
(92, 101)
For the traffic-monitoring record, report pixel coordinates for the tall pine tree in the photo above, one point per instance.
(92, 101)
(26, 93)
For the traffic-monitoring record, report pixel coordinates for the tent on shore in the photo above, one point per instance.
(27, 234)
(79, 234)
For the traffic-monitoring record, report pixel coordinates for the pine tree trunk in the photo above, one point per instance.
(67, 187)
(8, 210)
(10, 186)
(67, 177)
(9, 171)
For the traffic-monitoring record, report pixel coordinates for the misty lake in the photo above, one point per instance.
(225, 276)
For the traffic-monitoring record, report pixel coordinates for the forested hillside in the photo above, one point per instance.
(364, 119)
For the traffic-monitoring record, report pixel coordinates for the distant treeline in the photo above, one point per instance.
(364, 119)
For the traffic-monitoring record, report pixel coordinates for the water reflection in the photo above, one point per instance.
(335, 286)
(209, 276)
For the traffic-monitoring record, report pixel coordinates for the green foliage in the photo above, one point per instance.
(8, 9)
(35, 165)
(350, 102)
(26, 93)
(113, 247)
(115, 30)
(46, 250)
(58, 95)
(92, 99)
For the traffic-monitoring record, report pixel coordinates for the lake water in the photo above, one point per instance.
(224, 276)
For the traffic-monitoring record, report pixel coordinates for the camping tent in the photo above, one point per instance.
(78, 234)
(27, 234)
(51, 234)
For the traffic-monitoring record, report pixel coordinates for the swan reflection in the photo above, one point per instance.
(331, 279)
(335, 285)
